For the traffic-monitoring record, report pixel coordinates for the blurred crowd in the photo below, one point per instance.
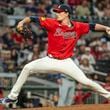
(15, 51)
(99, 8)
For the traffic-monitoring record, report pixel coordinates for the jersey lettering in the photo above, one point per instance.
(68, 34)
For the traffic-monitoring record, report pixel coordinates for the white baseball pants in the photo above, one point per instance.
(47, 64)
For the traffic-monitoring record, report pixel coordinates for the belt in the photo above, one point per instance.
(51, 56)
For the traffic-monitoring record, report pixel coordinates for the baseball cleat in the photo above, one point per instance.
(7, 100)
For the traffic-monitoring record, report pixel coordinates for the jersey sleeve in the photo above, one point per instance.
(43, 22)
(46, 22)
(84, 28)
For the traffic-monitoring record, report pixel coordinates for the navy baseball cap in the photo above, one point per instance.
(63, 8)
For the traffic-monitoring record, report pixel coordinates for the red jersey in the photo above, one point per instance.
(61, 38)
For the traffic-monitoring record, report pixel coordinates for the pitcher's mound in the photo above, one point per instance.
(75, 107)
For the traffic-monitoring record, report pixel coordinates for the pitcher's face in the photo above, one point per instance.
(60, 16)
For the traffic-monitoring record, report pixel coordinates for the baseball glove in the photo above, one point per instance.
(26, 32)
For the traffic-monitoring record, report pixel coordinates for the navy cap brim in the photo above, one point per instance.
(58, 10)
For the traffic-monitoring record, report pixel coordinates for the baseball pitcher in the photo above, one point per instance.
(63, 35)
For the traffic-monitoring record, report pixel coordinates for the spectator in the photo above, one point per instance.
(88, 55)
(95, 41)
(82, 41)
(80, 95)
(17, 38)
(44, 52)
(37, 102)
(1, 93)
(48, 6)
(99, 10)
(35, 53)
(7, 38)
(107, 10)
(83, 9)
(19, 10)
(7, 62)
(107, 86)
(75, 58)
(66, 90)
(30, 7)
(22, 55)
(41, 9)
(10, 9)
(86, 66)
(14, 56)
(1, 62)
(55, 99)
(81, 50)
(74, 2)
(105, 50)
(95, 47)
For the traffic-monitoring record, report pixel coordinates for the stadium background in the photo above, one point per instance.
(15, 52)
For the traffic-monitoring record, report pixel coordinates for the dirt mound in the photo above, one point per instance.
(75, 107)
